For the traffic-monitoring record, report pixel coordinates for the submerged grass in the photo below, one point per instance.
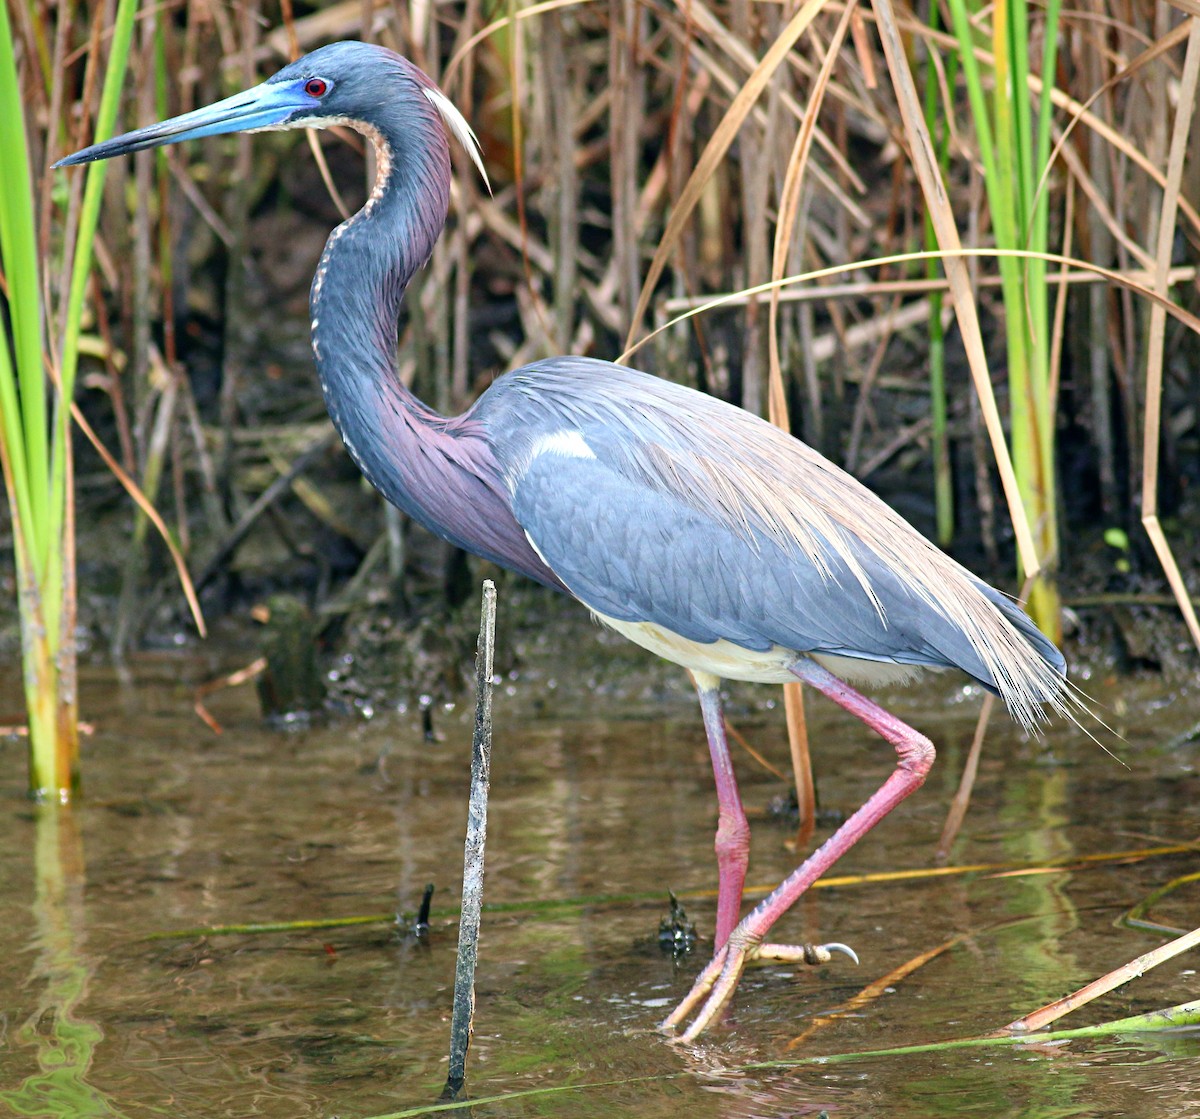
(551, 908)
(1183, 1016)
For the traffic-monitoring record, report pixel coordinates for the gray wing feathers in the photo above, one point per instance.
(637, 554)
(679, 509)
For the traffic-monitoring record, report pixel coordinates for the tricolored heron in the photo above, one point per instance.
(696, 529)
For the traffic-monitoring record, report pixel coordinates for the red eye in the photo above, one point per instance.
(315, 87)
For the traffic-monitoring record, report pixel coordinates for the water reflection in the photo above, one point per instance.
(63, 1039)
(601, 795)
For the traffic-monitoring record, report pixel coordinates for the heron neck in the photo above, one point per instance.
(370, 259)
(441, 471)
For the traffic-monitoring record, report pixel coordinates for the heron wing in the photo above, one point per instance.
(636, 552)
(653, 502)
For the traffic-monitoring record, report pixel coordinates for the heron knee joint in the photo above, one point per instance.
(916, 754)
(733, 833)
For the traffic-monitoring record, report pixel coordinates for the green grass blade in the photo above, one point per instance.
(12, 444)
(23, 391)
(1024, 170)
(976, 96)
(110, 100)
(1184, 1016)
(1045, 116)
(943, 483)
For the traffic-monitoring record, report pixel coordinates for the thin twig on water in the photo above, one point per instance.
(462, 1019)
(1040, 1019)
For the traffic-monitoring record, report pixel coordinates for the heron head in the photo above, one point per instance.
(343, 83)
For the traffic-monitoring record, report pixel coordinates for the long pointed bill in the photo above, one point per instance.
(270, 105)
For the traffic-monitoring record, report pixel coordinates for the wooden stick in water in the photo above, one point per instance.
(463, 1018)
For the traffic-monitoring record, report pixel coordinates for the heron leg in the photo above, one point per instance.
(719, 979)
(733, 831)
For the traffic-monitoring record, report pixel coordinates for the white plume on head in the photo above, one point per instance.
(457, 123)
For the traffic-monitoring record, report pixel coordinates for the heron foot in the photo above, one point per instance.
(717, 982)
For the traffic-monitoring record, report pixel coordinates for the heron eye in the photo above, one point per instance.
(315, 87)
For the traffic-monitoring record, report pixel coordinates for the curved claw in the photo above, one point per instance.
(824, 952)
(811, 954)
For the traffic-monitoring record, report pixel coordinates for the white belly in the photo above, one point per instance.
(728, 661)
(718, 658)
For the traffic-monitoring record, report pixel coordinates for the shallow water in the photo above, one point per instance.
(601, 786)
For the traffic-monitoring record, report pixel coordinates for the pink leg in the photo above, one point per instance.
(733, 831)
(719, 980)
